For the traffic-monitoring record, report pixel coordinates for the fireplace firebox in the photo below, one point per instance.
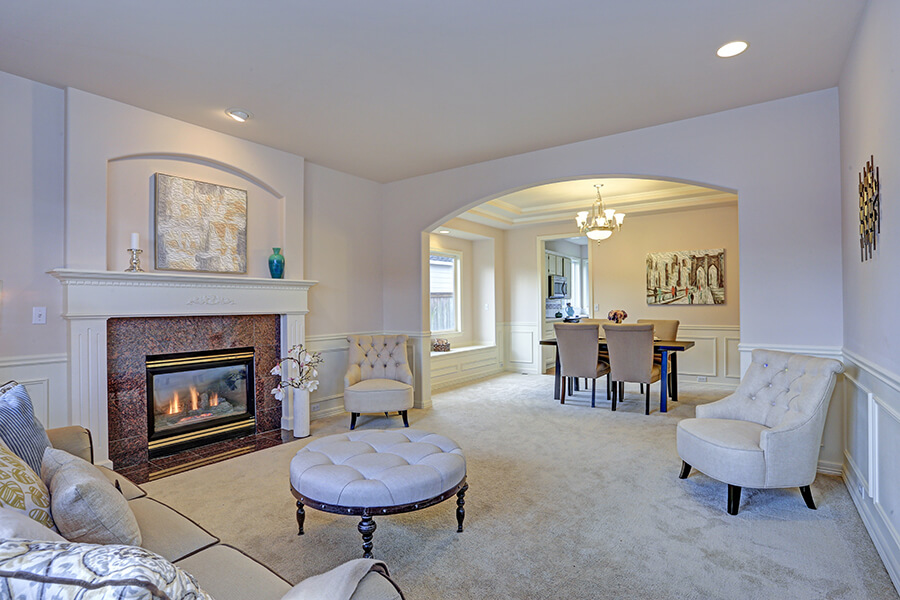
(197, 398)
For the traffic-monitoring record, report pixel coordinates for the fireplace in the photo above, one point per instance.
(196, 398)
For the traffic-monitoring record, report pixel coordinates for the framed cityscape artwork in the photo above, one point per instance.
(686, 277)
(200, 226)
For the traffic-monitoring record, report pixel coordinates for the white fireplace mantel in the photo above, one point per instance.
(92, 297)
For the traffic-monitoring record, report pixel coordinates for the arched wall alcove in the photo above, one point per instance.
(130, 205)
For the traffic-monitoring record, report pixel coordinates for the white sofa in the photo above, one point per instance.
(225, 572)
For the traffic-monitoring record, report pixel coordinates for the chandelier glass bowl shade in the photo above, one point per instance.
(599, 223)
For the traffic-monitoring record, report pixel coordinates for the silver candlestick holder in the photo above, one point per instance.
(135, 261)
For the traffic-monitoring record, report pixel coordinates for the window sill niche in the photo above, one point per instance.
(463, 350)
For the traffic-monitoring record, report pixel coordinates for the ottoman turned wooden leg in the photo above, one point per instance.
(301, 516)
(460, 507)
(366, 527)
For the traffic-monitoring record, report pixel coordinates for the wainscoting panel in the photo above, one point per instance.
(462, 365)
(732, 358)
(714, 355)
(46, 379)
(872, 429)
(328, 398)
(856, 431)
(522, 342)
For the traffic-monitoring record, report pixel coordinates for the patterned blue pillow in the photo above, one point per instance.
(19, 428)
(30, 569)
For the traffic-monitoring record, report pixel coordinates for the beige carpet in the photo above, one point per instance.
(564, 502)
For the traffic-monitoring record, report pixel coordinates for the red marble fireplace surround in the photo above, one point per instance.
(130, 340)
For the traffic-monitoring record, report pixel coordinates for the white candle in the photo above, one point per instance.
(135, 240)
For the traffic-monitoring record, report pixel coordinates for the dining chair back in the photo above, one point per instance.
(631, 357)
(578, 347)
(663, 329)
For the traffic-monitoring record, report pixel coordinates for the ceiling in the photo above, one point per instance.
(553, 202)
(393, 89)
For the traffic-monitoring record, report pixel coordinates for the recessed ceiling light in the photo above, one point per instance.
(732, 49)
(238, 114)
(444, 231)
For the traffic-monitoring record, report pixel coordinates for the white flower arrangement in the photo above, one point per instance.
(306, 363)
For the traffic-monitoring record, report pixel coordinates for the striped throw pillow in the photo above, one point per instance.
(19, 428)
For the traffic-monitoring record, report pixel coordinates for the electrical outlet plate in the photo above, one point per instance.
(314, 408)
(701, 378)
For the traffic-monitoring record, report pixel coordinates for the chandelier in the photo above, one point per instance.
(600, 222)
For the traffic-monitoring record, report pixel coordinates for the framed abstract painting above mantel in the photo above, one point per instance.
(200, 226)
(686, 277)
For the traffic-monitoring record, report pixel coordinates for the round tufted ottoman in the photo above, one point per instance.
(378, 472)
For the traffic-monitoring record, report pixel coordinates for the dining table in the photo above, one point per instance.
(663, 348)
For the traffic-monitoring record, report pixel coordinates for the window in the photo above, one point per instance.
(444, 276)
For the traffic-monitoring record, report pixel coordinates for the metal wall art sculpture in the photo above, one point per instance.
(869, 210)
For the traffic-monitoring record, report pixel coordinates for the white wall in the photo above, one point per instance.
(870, 125)
(101, 132)
(31, 197)
(32, 118)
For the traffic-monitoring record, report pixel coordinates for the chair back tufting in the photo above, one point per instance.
(377, 357)
(778, 385)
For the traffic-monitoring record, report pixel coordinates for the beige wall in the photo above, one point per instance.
(618, 265)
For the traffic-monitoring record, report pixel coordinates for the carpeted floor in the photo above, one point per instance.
(564, 502)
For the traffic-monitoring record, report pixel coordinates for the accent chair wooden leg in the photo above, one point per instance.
(405, 418)
(734, 499)
(685, 470)
(367, 527)
(353, 417)
(621, 391)
(807, 497)
(593, 392)
(301, 516)
(460, 507)
(647, 399)
(608, 386)
(562, 390)
(615, 394)
(576, 384)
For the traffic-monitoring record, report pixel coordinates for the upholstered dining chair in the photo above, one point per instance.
(378, 377)
(767, 433)
(631, 358)
(579, 351)
(664, 329)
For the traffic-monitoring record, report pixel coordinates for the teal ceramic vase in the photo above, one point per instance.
(276, 264)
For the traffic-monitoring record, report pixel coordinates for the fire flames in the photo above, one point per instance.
(176, 406)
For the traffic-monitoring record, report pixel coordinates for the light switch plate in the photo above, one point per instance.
(39, 315)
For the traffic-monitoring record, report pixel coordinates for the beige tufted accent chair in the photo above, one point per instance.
(767, 433)
(378, 378)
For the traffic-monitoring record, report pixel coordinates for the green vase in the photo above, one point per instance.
(276, 264)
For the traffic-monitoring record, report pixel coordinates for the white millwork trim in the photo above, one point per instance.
(707, 327)
(90, 298)
(36, 359)
(830, 468)
(887, 377)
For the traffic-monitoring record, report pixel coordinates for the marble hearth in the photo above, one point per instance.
(92, 298)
